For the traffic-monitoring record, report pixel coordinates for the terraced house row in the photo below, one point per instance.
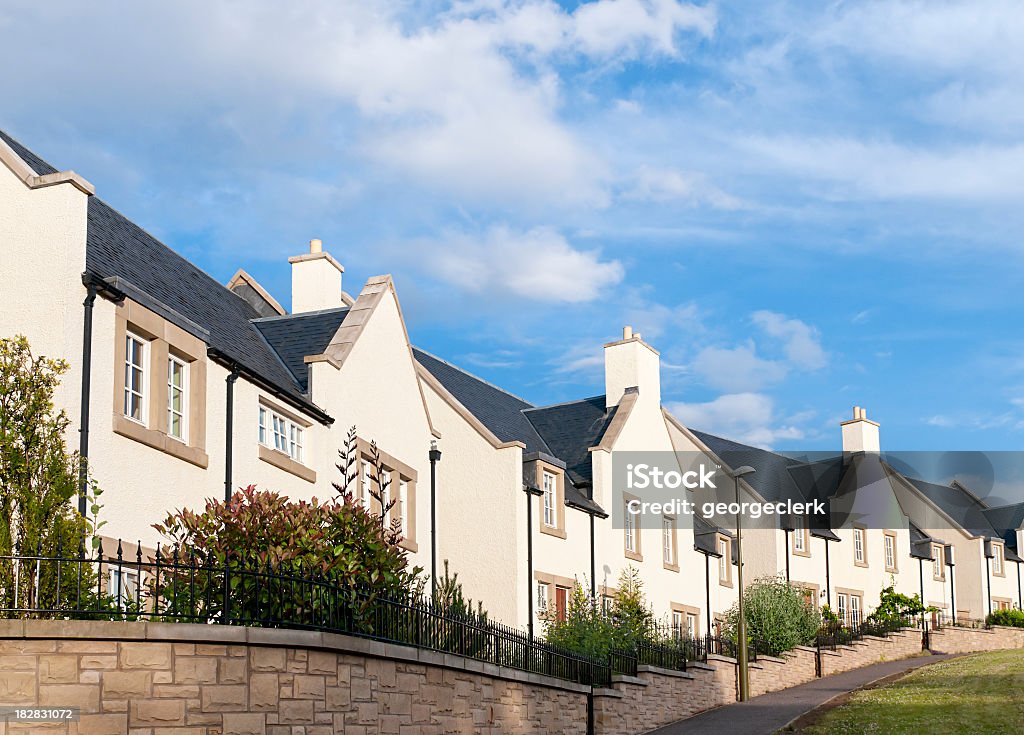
(181, 387)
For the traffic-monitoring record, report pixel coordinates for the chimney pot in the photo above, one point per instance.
(627, 332)
(316, 246)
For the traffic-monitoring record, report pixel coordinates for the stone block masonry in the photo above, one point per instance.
(164, 679)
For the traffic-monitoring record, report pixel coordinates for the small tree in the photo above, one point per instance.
(895, 607)
(39, 479)
(585, 629)
(631, 615)
(777, 615)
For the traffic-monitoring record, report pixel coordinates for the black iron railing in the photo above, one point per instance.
(833, 636)
(176, 587)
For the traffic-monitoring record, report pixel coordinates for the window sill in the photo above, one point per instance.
(126, 427)
(409, 545)
(670, 567)
(634, 555)
(284, 462)
(804, 554)
(553, 531)
(862, 564)
(725, 583)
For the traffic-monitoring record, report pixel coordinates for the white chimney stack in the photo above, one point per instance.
(631, 363)
(316, 280)
(860, 434)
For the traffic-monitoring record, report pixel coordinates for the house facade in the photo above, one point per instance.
(182, 389)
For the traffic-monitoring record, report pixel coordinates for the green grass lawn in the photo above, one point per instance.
(981, 693)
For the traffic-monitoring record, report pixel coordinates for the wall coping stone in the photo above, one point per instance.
(624, 679)
(646, 668)
(613, 693)
(725, 659)
(274, 637)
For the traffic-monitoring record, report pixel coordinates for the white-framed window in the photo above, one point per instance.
(677, 623)
(997, 558)
(890, 552)
(724, 560)
(403, 504)
(691, 625)
(550, 494)
(854, 610)
(367, 483)
(841, 607)
(799, 538)
(668, 541)
(542, 597)
(135, 357)
(177, 398)
(124, 585)
(629, 523)
(937, 561)
(858, 545)
(280, 433)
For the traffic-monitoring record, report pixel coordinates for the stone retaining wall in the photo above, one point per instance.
(176, 679)
(770, 674)
(871, 650)
(967, 640)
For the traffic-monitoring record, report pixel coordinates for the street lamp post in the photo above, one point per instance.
(741, 633)
(435, 457)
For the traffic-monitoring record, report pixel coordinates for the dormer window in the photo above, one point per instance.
(550, 479)
(997, 559)
(135, 367)
(550, 495)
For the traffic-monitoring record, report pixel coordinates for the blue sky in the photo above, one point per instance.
(802, 206)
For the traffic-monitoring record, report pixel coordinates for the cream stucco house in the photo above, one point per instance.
(182, 389)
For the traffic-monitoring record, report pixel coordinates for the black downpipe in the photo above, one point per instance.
(593, 562)
(435, 456)
(920, 566)
(229, 434)
(1020, 602)
(988, 579)
(788, 531)
(707, 588)
(590, 709)
(952, 591)
(529, 559)
(828, 579)
(83, 423)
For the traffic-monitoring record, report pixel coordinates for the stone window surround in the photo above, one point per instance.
(558, 530)
(672, 566)
(163, 340)
(937, 549)
(813, 588)
(280, 459)
(725, 581)
(850, 592)
(997, 548)
(687, 610)
(398, 471)
(895, 552)
(863, 546)
(637, 553)
(806, 536)
(551, 581)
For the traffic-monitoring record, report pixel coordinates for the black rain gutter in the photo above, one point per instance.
(94, 286)
(232, 365)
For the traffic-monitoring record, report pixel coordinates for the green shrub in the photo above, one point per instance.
(777, 615)
(895, 607)
(1012, 618)
(39, 482)
(338, 543)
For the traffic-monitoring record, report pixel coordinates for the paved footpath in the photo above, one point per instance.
(764, 715)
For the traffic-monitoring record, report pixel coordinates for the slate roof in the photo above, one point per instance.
(1006, 519)
(116, 247)
(961, 506)
(295, 336)
(570, 430)
(497, 409)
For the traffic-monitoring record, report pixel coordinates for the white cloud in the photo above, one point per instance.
(538, 264)
(800, 341)
(737, 369)
(656, 184)
(745, 417)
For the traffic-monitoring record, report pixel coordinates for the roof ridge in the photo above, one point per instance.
(280, 317)
(474, 377)
(564, 403)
